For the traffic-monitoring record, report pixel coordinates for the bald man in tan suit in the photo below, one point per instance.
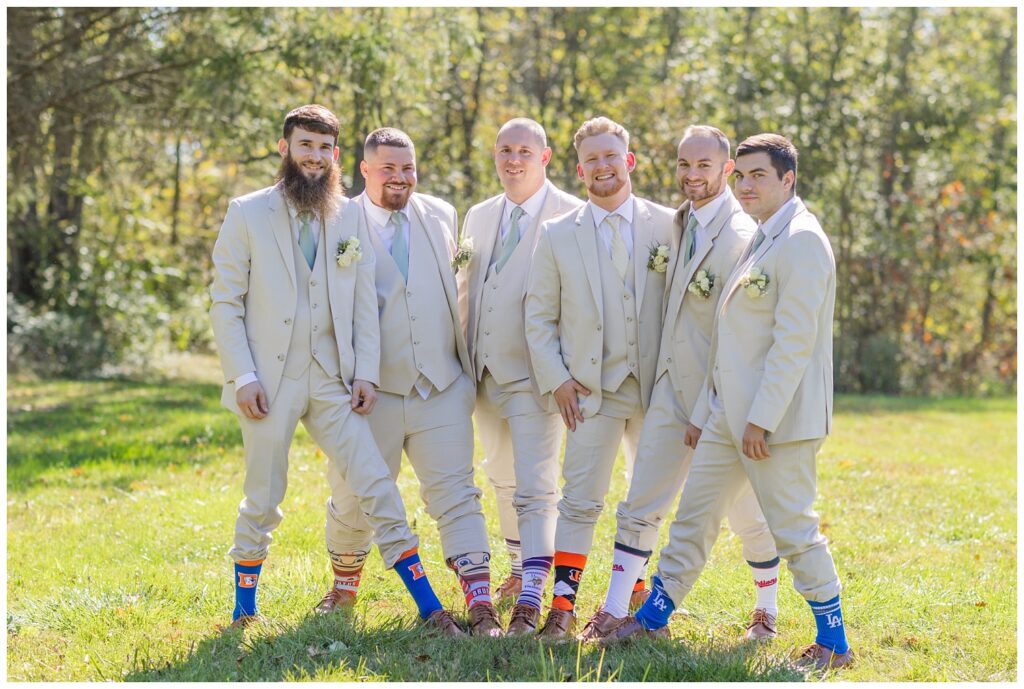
(594, 310)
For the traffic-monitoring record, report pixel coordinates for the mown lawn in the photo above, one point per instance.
(121, 499)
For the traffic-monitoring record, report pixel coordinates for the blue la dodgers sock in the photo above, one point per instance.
(410, 569)
(656, 609)
(829, 618)
(247, 576)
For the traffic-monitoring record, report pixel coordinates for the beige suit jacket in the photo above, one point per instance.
(564, 302)
(255, 295)
(686, 338)
(482, 225)
(772, 355)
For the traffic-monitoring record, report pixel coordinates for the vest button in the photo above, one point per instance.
(632, 364)
(314, 306)
(626, 297)
(629, 319)
(280, 357)
(599, 328)
(315, 328)
(490, 308)
(630, 344)
(415, 342)
(314, 352)
(668, 360)
(487, 332)
(593, 360)
(408, 293)
(287, 321)
(312, 283)
(419, 366)
(412, 318)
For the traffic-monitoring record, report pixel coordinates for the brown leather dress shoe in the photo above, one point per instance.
(817, 657)
(443, 623)
(524, 620)
(629, 629)
(761, 627)
(509, 589)
(638, 598)
(335, 600)
(600, 625)
(483, 621)
(558, 626)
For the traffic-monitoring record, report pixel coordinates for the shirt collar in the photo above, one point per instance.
(768, 227)
(706, 213)
(531, 206)
(625, 210)
(294, 213)
(381, 216)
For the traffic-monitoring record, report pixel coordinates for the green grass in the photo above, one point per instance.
(121, 499)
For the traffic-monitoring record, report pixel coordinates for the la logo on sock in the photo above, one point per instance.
(247, 580)
(659, 602)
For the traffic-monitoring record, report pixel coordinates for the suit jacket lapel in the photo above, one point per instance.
(643, 238)
(435, 235)
(488, 235)
(282, 229)
(586, 238)
(707, 241)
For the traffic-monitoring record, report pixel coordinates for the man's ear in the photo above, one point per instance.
(282, 147)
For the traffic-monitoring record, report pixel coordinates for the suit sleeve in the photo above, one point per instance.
(543, 312)
(365, 316)
(231, 261)
(804, 269)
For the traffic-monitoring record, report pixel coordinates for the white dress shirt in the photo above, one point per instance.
(625, 212)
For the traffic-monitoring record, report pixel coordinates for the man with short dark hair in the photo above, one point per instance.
(766, 406)
(295, 322)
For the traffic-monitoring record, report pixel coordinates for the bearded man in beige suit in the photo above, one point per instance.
(766, 405)
(521, 437)
(296, 327)
(594, 310)
(716, 233)
(427, 389)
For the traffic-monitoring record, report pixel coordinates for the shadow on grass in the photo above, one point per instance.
(344, 648)
(884, 404)
(120, 422)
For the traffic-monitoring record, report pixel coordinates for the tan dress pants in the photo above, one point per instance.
(323, 406)
(437, 436)
(785, 485)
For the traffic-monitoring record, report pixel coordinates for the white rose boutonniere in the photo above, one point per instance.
(657, 259)
(348, 252)
(701, 284)
(464, 253)
(755, 283)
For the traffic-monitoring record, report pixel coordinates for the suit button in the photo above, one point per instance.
(593, 360)
(315, 328)
(314, 352)
(487, 332)
(312, 283)
(632, 365)
(630, 344)
(626, 297)
(629, 319)
(412, 317)
(419, 366)
(490, 308)
(314, 306)
(287, 321)
(280, 357)
(668, 360)
(487, 356)
(599, 328)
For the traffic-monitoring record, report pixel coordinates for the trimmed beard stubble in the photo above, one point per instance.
(319, 196)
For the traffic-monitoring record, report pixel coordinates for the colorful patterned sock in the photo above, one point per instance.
(410, 569)
(568, 574)
(474, 572)
(247, 575)
(829, 618)
(348, 569)
(535, 577)
(657, 609)
(766, 580)
(515, 557)
(627, 563)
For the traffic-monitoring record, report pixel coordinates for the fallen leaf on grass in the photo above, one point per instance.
(980, 604)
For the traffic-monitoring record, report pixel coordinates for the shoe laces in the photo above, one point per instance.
(521, 611)
(481, 612)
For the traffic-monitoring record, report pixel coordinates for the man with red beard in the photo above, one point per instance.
(294, 317)
(593, 324)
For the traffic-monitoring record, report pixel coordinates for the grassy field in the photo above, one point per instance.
(121, 499)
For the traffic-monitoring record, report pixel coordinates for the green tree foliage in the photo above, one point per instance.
(129, 129)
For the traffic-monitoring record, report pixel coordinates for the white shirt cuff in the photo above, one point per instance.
(245, 379)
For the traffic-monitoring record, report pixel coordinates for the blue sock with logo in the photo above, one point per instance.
(658, 607)
(829, 618)
(410, 569)
(247, 576)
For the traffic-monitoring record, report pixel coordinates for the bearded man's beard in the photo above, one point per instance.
(320, 195)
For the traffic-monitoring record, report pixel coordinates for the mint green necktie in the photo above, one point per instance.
(690, 241)
(399, 249)
(511, 239)
(758, 240)
(306, 243)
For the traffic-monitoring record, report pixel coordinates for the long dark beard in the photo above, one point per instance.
(320, 196)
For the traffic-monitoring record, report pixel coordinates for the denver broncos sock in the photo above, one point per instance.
(627, 565)
(348, 568)
(829, 618)
(766, 581)
(568, 574)
(247, 576)
(654, 613)
(410, 569)
(535, 577)
(474, 573)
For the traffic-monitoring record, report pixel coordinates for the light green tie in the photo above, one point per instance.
(690, 238)
(758, 240)
(511, 239)
(399, 249)
(306, 243)
(620, 257)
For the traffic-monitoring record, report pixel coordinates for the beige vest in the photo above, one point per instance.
(417, 335)
(621, 355)
(313, 331)
(501, 339)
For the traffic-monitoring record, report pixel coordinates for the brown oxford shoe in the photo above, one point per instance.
(483, 621)
(335, 600)
(761, 627)
(600, 625)
(558, 626)
(818, 657)
(442, 623)
(509, 589)
(524, 620)
(638, 598)
(630, 629)
(245, 621)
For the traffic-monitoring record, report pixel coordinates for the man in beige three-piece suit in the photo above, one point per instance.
(427, 389)
(296, 329)
(594, 310)
(521, 437)
(717, 231)
(766, 406)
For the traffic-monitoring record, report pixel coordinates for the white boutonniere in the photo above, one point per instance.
(657, 259)
(701, 284)
(755, 283)
(348, 252)
(464, 253)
